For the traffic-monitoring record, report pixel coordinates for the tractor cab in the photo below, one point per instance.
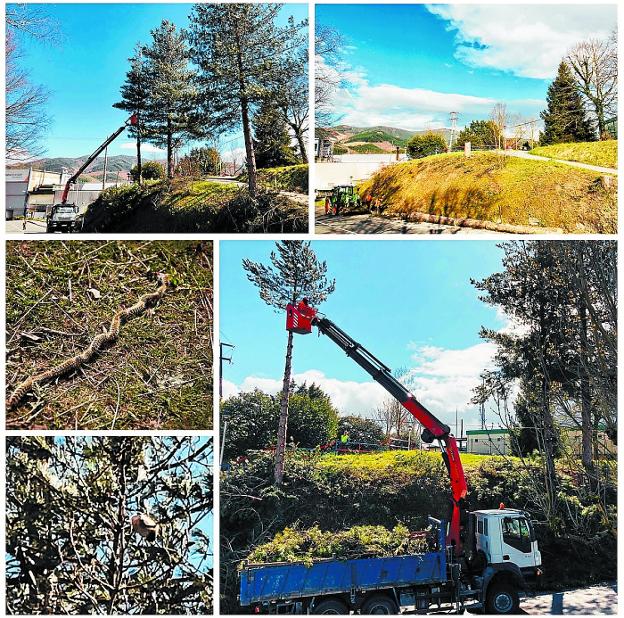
(299, 318)
(342, 198)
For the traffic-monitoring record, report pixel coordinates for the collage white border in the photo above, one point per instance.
(217, 238)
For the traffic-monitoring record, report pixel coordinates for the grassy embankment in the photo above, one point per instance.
(158, 374)
(500, 189)
(192, 206)
(602, 154)
(293, 178)
(403, 488)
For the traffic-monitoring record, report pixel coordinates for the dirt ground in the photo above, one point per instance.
(157, 374)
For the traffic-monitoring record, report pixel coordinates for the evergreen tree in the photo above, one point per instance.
(70, 548)
(134, 99)
(172, 94)
(564, 118)
(272, 141)
(480, 134)
(240, 52)
(295, 272)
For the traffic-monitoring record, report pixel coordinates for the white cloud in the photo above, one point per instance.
(144, 147)
(348, 396)
(442, 379)
(526, 40)
(360, 104)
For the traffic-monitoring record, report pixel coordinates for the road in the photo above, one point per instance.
(522, 154)
(33, 226)
(593, 600)
(368, 224)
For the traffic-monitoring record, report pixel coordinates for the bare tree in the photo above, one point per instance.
(594, 64)
(328, 45)
(26, 119)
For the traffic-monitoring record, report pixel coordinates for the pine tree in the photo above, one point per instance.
(169, 120)
(134, 99)
(272, 141)
(295, 273)
(565, 119)
(240, 51)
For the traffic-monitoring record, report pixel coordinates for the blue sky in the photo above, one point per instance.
(85, 70)
(410, 303)
(410, 65)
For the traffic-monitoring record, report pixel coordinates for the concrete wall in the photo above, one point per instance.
(347, 169)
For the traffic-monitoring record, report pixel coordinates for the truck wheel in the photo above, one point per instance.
(380, 604)
(502, 599)
(331, 606)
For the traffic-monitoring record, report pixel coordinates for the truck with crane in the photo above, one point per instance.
(476, 560)
(64, 217)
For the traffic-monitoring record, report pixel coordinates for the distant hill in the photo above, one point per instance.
(376, 139)
(116, 163)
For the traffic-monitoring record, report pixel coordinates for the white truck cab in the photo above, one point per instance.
(506, 535)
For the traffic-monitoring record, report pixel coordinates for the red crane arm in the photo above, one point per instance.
(131, 121)
(301, 318)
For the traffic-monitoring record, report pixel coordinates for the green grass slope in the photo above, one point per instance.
(292, 178)
(497, 188)
(602, 154)
(193, 206)
(157, 375)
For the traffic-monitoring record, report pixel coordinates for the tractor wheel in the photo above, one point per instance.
(328, 205)
(331, 606)
(380, 604)
(502, 599)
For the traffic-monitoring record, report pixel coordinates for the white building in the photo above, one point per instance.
(488, 442)
(30, 191)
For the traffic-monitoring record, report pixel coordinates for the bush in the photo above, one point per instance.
(360, 429)
(340, 150)
(150, 170)
(420, 146)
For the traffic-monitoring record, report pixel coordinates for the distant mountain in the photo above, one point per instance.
(402, 134)
(351, 139)
(116, 163)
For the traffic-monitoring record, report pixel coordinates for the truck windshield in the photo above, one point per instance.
(516, 533)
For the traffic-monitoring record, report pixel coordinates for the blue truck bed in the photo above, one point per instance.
(281, 581)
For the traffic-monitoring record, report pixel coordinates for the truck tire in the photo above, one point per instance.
(380, 604)
(331, 606)
(502, 599)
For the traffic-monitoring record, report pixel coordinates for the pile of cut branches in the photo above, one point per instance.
(296, 545)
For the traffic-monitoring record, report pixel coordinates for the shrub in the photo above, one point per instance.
(150, 170)
(420, 146)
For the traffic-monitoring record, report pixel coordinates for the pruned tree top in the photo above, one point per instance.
(295, 272)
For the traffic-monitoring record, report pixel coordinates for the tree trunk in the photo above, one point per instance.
(138, 144)
(283, 419)
(302, 146)
(586, 416)
(252, 180)
(169, 150)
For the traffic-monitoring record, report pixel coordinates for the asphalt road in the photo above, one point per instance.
(580, 601)
(33, 226)
(368, 224)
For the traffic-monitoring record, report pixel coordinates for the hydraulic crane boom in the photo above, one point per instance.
(301, 319)
(131, 121)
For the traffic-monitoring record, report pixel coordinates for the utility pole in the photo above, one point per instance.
(482, 409)
(105, 168)
(227, 359)
(453, 116)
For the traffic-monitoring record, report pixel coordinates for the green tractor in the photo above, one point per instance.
(343, 199)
